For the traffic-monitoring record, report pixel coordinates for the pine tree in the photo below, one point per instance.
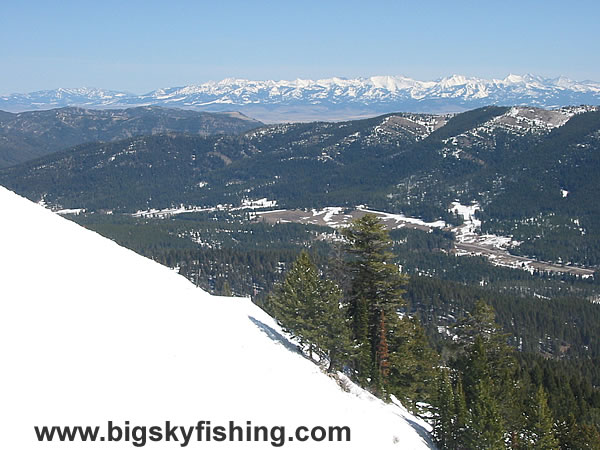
(362, 355)
(412, 363)
(295, 301)
(483, 347)
(540, 430)
(486, 427)
(480, 323)
(574, 436)
(475, 367)
(446, 412)
(334, 332)
(310, 308)
(375, 286)
(462, 417)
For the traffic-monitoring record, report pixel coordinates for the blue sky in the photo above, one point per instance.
(139, 46)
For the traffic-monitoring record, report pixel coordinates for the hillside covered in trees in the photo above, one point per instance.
(533, 173)
(477, 389)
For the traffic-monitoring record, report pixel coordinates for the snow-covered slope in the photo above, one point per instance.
(92, 332)
(331, 97)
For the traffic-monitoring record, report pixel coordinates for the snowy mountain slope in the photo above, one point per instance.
(332, 98)
(527, 123)
(92, 332)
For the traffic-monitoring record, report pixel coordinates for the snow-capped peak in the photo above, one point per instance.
(377, 94)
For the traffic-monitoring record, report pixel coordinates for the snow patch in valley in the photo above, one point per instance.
(468, 232)
(260, 203)
(75, 211)
(401, 220)
(167, 212)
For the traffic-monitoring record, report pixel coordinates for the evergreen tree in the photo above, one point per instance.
(333, 336)
(412, 364)
(362, 355)
(446, 412)
(310, 308)
(295, 302)
(375, 286)
(589, 436)
(486, 428)
(480, 323)
(462, 418)
(541, 434)
(488, 366)
(574, 436)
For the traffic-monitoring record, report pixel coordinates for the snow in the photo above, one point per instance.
(260, 203)
(467, 212)
(75, 211)
(397, 91)
(330, 213)
(167, 212)
(468, 232)
(182, 209)
(93, 332)
(401, 220)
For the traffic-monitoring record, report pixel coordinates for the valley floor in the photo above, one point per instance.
(467, 240)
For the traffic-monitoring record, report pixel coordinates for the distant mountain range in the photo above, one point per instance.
(329, 99)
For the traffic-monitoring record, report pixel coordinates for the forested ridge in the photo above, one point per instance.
(536, 183)
(28, 135)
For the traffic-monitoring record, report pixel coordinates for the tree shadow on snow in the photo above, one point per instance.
(421, 431)
(274, 335)
(277, 337)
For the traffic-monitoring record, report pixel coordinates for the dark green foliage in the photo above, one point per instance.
(582, 436)
(531, 206)
(295, 302)
(250, 257)
(509, 398)
(487, 368)
(461, 415)
(152, 171)
(374, 295)
(572, 394)
(211, 249)
(563, 326)
(309, 308)
(413, 364)
(486, 428)
(443, 429)
(540, 423)
(466, 121)
(393, 355)
(371, 272)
